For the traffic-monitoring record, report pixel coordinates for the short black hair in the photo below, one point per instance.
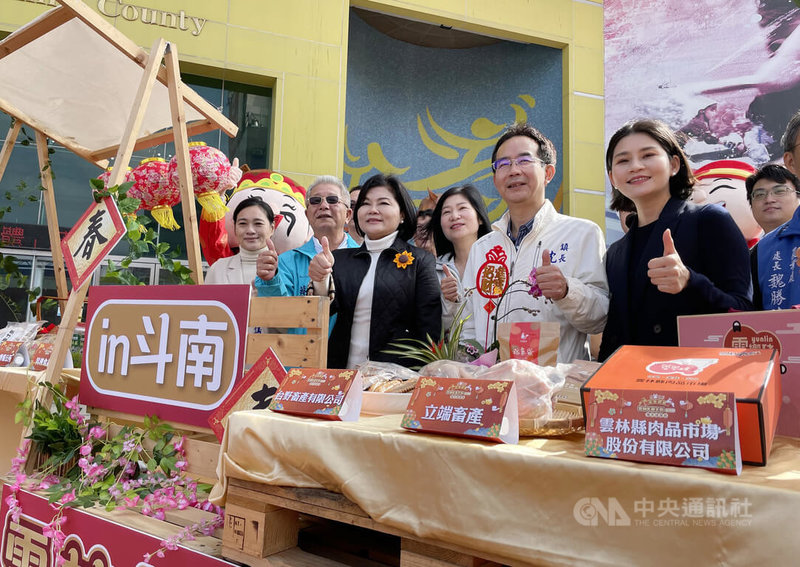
(680, 184)
(254, 202)
(434, 228)
(773, 172)
(408, 224)
(547, 151)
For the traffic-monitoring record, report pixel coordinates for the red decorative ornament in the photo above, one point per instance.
(104, 177)
(158, 194)
(492, 278)
(211, 173)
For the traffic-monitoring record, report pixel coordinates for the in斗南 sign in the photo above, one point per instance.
(172, 351)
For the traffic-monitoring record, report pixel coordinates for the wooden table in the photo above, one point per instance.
(541, 502)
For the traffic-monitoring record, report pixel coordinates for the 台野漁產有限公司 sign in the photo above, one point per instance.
(172, 351)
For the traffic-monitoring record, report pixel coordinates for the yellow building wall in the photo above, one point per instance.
(299, 48)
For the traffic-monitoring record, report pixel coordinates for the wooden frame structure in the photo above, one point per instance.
(141, 124)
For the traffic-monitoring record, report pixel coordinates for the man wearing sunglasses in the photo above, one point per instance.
(560, 257)
(775, 260)
(328, 212)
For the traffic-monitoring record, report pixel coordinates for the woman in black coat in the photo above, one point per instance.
(383, 291)
(677, 258)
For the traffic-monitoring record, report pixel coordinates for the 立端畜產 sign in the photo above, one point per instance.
(475, 408)
(172, 351)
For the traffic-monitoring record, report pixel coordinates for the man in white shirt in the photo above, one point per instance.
(532, 242)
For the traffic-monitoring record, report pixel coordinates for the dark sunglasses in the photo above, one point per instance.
(330, 199)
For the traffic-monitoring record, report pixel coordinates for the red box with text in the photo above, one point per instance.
(752, 375)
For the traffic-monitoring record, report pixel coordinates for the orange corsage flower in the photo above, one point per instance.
(403, 259)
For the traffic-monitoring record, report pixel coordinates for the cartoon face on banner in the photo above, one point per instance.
(286, 198)
(722, 182)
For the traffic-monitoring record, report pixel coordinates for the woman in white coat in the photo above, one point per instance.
(253, 224)
(459, 219)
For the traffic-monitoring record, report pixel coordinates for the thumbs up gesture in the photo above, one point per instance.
(321, 265)
(449, 285)
(668, 272)
(551, 279)
(267, 262)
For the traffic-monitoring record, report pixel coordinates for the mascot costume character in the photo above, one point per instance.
(722, 182)
(287, 200)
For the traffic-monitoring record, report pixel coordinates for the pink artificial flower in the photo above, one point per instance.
(13, 505)
(86, 449)
(48, 481)
(20, 479)
(97, 432)
(22, 456)
(67, 498)
(132, 502)
(74, 410)
(534, 290)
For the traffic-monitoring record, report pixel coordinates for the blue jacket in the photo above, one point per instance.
(776, 274)
(292, 277)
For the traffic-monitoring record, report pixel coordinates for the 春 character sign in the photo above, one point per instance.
(91, 239)
(173, 351)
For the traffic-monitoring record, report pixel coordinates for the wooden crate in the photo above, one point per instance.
(277, 314)
(261, 523)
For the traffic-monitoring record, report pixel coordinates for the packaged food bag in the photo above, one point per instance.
(534, 342)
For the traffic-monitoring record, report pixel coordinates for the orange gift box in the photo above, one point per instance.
(752, 375)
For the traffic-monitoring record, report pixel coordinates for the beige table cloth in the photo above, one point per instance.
(533, 502)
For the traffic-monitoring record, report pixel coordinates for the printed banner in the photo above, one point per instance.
(690, 429)
(91, 541)
(484, 409)
(172, 351)
(320, 392)
(778, 330)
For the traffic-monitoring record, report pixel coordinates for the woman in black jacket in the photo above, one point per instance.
(383, 291)
(677, 258)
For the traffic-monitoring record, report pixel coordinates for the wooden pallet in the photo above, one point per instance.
(262, 523)
(209, 545)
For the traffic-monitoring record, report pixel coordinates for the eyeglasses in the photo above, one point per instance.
(504, 164)
(778, 191)
(353, 204)
(330, 199)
